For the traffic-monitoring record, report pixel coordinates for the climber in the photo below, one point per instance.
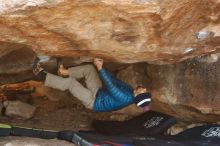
(114, 95)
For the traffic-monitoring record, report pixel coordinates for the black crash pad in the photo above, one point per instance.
(150, 123)
(171, 142)
(92, 138)
(207, 134)
(150, 141)
(96, 139)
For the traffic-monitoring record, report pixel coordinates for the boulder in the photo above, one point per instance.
(18, 109)
(188, 90)
(159, 32)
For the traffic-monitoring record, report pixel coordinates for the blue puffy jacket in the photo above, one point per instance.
(114, 94)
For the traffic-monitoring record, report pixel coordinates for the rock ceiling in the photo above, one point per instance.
(156, 31)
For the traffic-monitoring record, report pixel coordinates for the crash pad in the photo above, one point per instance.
(90, 138)
(151, 123)
(207, 134)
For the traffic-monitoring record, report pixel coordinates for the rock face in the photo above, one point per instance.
(157, 31)
(16, 61)
(189, 90)
(135, 75)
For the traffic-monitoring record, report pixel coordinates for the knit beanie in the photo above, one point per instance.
(142, 99)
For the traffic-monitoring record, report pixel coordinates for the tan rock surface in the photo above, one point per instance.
(124, 31)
